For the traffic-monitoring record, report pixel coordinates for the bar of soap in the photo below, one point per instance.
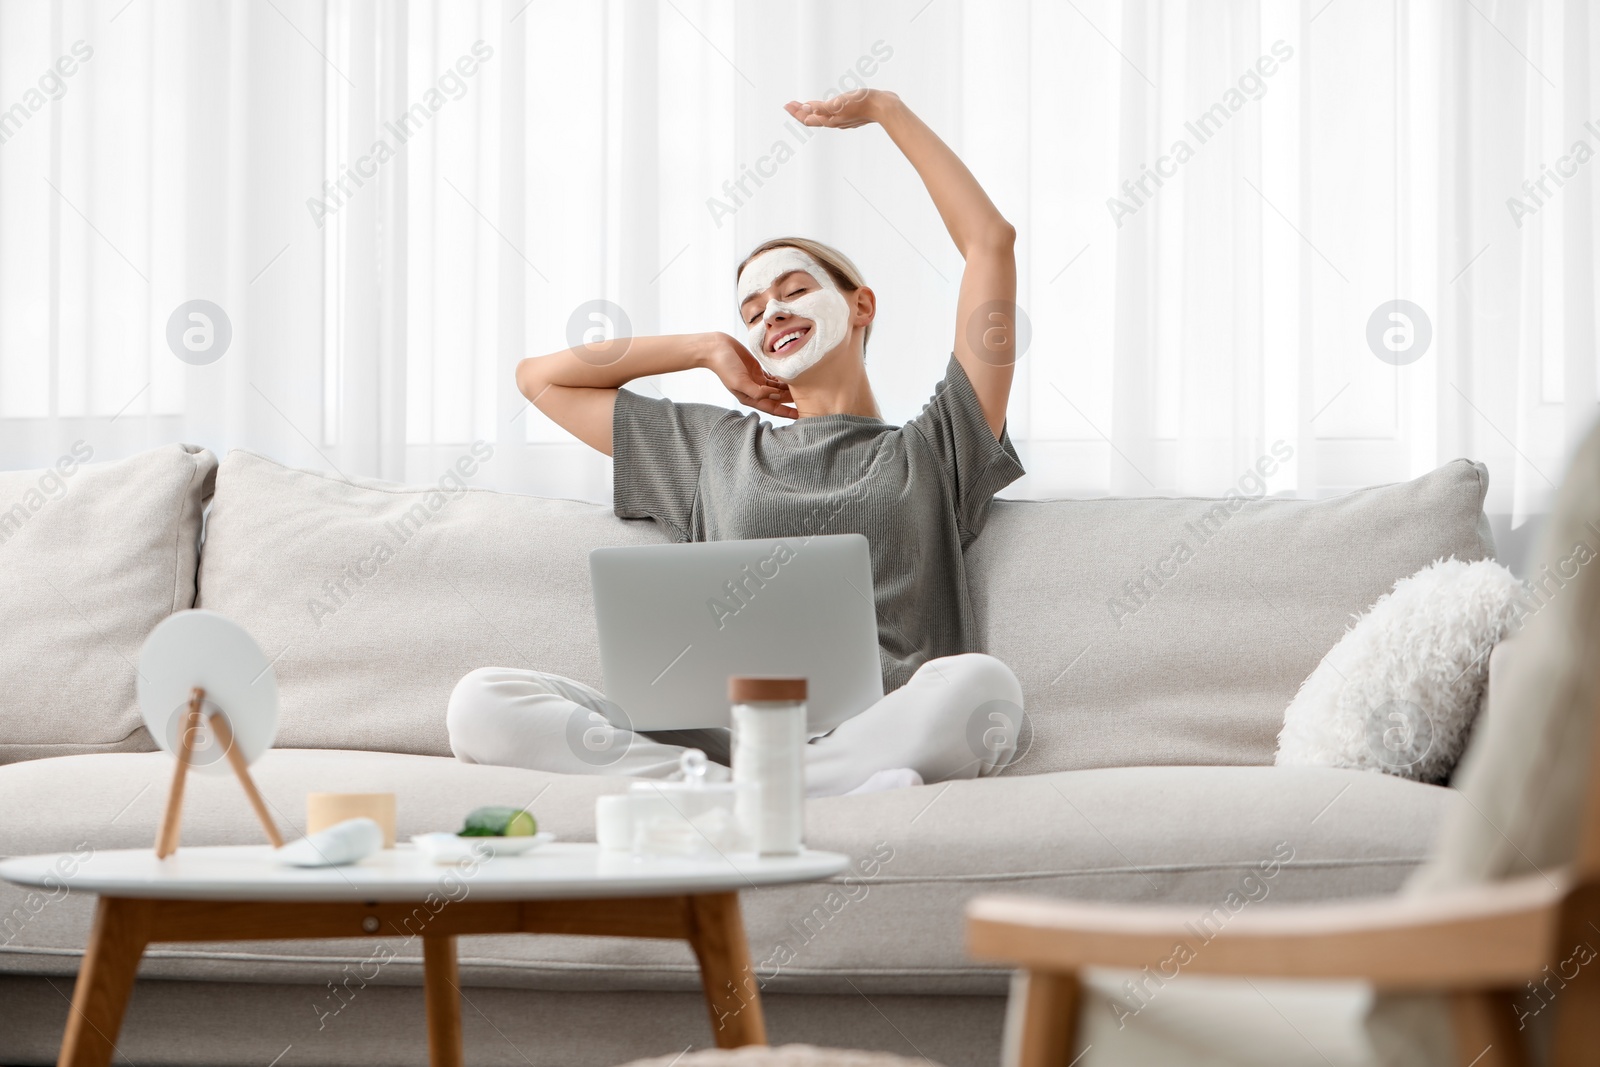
(338, 845)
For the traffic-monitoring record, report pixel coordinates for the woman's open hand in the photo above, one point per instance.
(845, 111)
(744, 378)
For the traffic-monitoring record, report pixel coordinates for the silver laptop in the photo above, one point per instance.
(676, 620)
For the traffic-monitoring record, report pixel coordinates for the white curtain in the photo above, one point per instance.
(393, 203)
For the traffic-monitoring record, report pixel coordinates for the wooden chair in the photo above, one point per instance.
(1478, 946)
(1475, 945)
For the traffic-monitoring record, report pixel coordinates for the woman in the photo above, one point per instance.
(920, 492)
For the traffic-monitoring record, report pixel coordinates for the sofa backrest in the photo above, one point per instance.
(1176, 631)
(92, 556)
(375, 599)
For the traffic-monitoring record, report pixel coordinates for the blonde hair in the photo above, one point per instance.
(845, 274)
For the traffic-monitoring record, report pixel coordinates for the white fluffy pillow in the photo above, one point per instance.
(1401, 689)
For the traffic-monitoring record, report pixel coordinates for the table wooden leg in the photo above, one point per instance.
(116, 942)
(441, 985)
(716, 933)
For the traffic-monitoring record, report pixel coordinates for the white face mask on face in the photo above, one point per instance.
(826, 307)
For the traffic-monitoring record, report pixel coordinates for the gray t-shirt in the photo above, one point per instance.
(919, 493)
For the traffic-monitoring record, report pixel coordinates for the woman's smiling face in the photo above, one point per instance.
(784, 331)
(793, 312)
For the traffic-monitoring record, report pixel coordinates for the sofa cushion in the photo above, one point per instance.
(93, 556)
(1401, 690)
(1219, 838)
(374, 599)
(1176, 631)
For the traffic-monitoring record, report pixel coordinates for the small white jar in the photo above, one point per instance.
(769, 737)
(681, 816)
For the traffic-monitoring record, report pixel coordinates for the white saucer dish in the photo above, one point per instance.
(445, 847)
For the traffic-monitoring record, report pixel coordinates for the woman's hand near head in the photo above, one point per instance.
(577, 387)
(738, 370)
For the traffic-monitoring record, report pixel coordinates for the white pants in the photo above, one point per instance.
(958, 717)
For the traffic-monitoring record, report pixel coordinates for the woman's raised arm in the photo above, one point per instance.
(986, 308)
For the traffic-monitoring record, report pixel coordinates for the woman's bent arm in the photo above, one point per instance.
(577, 387)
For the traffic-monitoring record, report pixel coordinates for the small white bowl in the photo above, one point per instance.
(445, 847)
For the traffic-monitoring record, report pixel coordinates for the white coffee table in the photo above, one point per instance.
(241, 893)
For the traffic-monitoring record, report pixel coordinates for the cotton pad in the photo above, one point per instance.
(339, 844)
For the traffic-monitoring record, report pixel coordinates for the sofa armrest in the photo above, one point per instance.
(1483, 936)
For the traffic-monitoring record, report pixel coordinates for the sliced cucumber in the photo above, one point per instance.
(496, 821)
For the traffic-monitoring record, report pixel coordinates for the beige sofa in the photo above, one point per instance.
(1155, 681)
